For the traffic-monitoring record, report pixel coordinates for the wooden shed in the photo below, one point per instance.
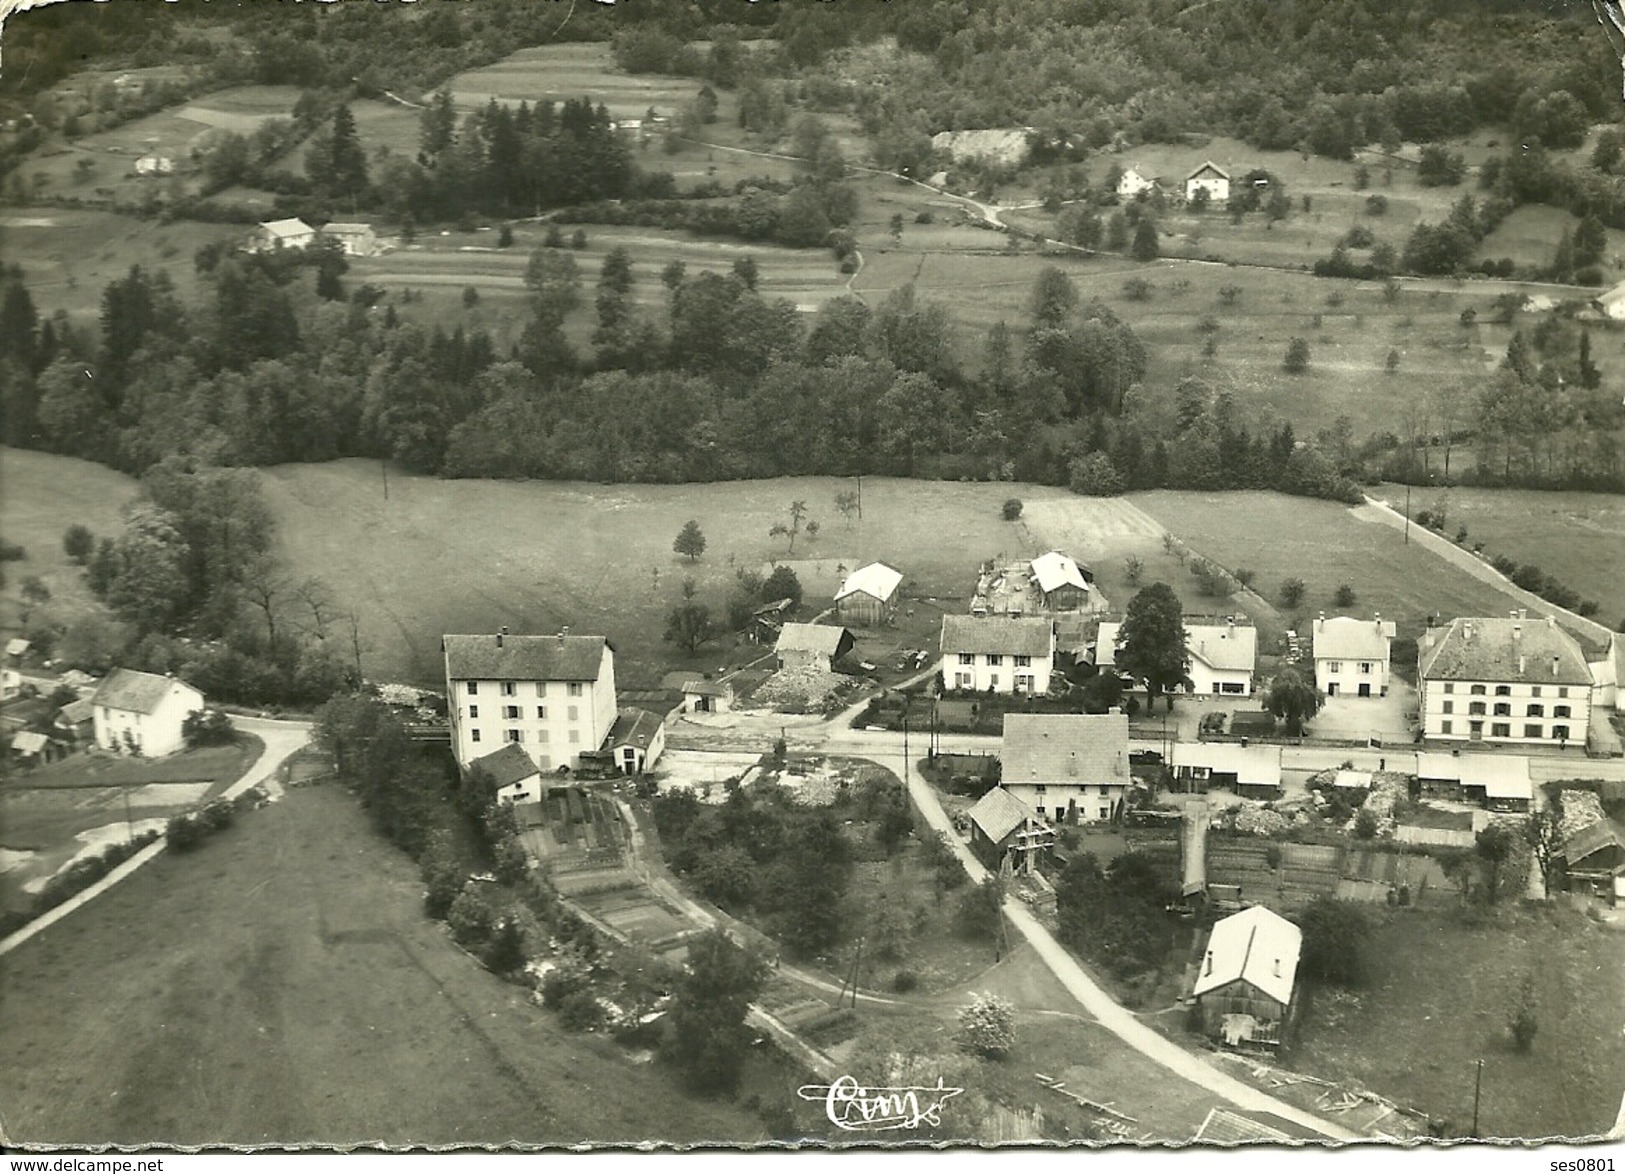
(1005, 834)
(869, 596)
(1245, 991)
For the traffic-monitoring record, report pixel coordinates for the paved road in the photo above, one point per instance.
(281, 739)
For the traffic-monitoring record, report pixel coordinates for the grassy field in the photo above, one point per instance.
(44, 495)
(1438, 1000)
(282, 985)
(1326, 545)
(1529, 235)
(1578, 538)
(557, 72)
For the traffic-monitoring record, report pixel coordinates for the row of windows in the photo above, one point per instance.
(1060, 813)
(1504, 709)
(1023, 681)
(1504, 730)
(1503, 690)
(512, 712)
(519, 736)
(1105, 789)
(995, 658)
(511, 688)
(1336, 666)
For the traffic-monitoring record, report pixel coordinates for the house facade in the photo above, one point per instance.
(357, 240)
(1133, 182)
(997, 654)
(552, 695)
(1246, 987)
(1352, 656)
(1067, 766)
(282, 234)
(1611, 303)
(142, 713)
(1605, 675)
(1060, 582)
(1007, 835)
(154, 165)
(1209, 178)
(1222, 656)
(514, 772)
(868, 598)
(1514, 681)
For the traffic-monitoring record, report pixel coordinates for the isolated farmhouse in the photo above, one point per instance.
(1352, 656)
(357, 240)
(1209, 178)
(1071, 766)
(1246, 987)
(142, 713)
(272, 235)
(999, 655)
(1133, 182)
(868, 598)
(552, 695)
(1513, 681)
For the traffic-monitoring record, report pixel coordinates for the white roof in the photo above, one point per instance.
(1360, 779)
(1346, 638)
(1503, 776)
(1256, 946)
(1610, 296)
(1250, 764)
(1054, 570)
(293, 227)
(16, 646)
(336, 228)
(876, 579)
(1219, 646)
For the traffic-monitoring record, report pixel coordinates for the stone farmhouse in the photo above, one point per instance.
(554, 696)
(1513, 681)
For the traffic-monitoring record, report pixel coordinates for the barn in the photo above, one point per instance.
(1005, 834)
(1245, 992)
(869, 596)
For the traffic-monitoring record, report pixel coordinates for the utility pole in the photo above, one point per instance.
(1407, 515)
(1478, 1083)
(905, 745)
(129, 824)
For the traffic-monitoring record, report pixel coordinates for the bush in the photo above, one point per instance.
(1365, 824)
(183, 832)
(207, 727)
(1296, 361)
(1345, 596)
(217, 815)
(987, 1026)
(1292, 591)
(904, 981)
(1503, 564)
(1522, 1022)
(470, 918)
(79, 544)
(579, 1011)
(1012, 509)
(10, 552)
(1529, 577)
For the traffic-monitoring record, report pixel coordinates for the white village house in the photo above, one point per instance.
(1222, 655)
(636, 740)
(1133, 182)
(281, 234)
(869, 596)
(1066, 766)
(142, 713)
(997, 654)
(553, 695)
(1352, 657)
(357, 240)
(154, 165)
(514, 772)
(1611, 303)
(1209, 178)
(1513, 681)
(1606, 674)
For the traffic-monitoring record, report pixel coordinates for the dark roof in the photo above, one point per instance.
(821, 638)
(134, 691)
(507, 766)
(524, 658)
(1012, 636)
(1478, 649)
(776, 605)
(1592, 838)
(76, 712)
(634, 727)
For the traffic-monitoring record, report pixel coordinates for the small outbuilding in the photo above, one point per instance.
(703, 696)
(518, 779)
(1594, 858)
(1246, 988)
(636, 740)
(869, 596)
(1252, 772)
(1006, 835)
(811, 645)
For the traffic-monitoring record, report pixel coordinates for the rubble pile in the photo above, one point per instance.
(1387, 791)
(1260, 821)
(801, 686)
(1581, 809)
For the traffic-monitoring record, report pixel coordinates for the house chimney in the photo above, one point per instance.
(1520, 662)
(1277, 968)
(501, 632)
(1555, 660)
(563, 632)
(1072, 764)
(1209, 969)
(1376, 618)
(1467, 630)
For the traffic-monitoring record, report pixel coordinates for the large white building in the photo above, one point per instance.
(1209, 178)
(1222, 656)
(553, 695)
(1352, 657)
(142, 713)
(1066, 766)
(997, 654)
(1514, 681)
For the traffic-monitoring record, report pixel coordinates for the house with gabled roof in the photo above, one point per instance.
(1133, 182)
(1067, 766)
(142, 713)
(553, 695)
(1352, 656)
(1246, 987)
(636, 740)
(1610, 303)
(868, 597)
(1007, 835)
(271, 235)
(997, 654)
(1222, 655)
(1061, 582)
(514, 772)
(356, 239)
(1594, 857)
(1513, 681)
(1225, 1126)
(1212, 179)
(811, 645)
(1606, 675)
